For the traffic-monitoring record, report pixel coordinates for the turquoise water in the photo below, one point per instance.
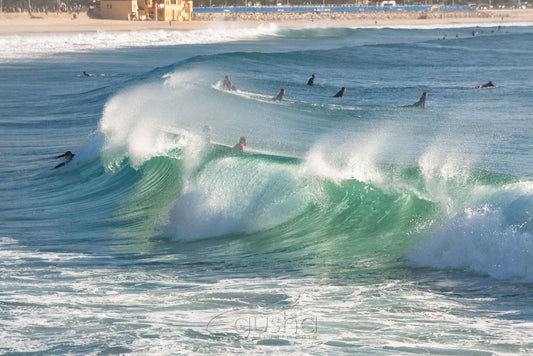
(349, 226)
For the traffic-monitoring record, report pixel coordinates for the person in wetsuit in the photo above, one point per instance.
(422, 101)
(311, 80)
(280, 95)
(487, 85)
(228, 84)
(68, 157)
(242, 143)
(340, 93)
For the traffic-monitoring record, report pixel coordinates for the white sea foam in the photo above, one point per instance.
(34, 46)
(7, 241)
(493, 238)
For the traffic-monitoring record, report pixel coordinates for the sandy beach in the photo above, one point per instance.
(63, 22)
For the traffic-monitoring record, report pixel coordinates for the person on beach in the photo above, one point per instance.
(68, 157)
(242, 143)
(487, 85)
(228, 84)
(280, 95)
(340, 93)
(311, 80)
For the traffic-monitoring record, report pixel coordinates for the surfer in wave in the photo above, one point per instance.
(242, 143)
(228, 84)
(68, 157)
(280, 95)
(311, 80)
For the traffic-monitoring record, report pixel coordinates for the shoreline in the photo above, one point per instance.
(18, 23)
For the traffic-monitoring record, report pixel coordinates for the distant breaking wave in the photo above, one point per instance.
(33, 46)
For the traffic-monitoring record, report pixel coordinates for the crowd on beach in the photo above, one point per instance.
(315, 16)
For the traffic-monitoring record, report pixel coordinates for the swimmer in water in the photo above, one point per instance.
(487, 85)
(242, 143)
(340, 93)
(311, 80)
(68, 157)
(228, 84)
(280, 95)
(422, 101)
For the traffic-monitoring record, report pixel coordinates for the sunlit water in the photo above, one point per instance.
(349, 226)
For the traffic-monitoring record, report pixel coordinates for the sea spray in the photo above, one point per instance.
(134, 126)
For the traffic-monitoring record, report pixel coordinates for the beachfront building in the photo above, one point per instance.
(157, 10)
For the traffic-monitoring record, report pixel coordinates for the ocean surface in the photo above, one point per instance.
(348, 226)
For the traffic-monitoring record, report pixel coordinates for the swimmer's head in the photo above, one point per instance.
(243, 140)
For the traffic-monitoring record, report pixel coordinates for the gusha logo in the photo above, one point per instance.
(283, 325)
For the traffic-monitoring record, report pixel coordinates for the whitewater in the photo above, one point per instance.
(350, 225)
